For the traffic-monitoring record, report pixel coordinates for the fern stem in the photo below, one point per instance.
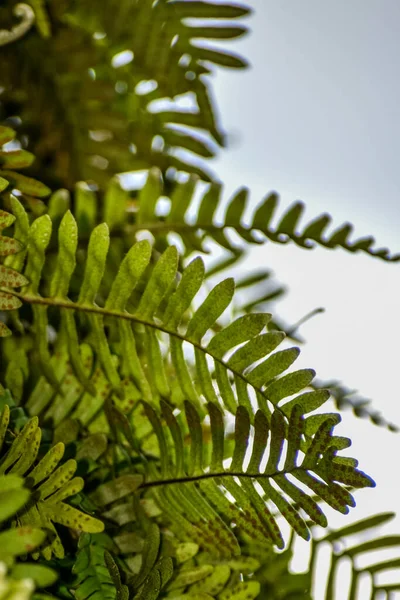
(86, 308)
(218, 475)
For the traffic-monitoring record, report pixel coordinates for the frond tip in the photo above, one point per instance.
(252, 230)
(278, 454)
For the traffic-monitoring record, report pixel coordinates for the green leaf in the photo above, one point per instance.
(39, 238)
(181, 299)
(95, 264)
(359, 526)
(12, 495)
(289, 384)
(115, 204)
(16, 159)
(160, 281)
(241, 330)
(116, 489)
(150, 553)
(6, 135)
(129, 273)
(42, 575)
(66, 261)
(273, 366)
(212, 308)
(376, 544)
(26, 185)
(21, 540)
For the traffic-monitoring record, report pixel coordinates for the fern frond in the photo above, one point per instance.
(9, 278)
(160, 309)
(25, 13)
(93, 579)
(194, 493)
(52, 483)
(254, 229)
(130, 114)
(346, 398)
(360, 555)
(13, 160)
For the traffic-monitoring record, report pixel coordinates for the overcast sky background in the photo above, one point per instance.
(316, 118)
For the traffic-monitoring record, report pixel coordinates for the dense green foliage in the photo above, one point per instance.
(155, 441)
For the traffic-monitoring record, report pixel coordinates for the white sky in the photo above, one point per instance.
(317, 119)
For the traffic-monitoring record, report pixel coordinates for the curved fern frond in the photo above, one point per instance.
(348, 399)
(26, 14)
(51, 482)
(345, 549)
(200, 506)
(149, 104)
(160, 308)
(160, 568)
(253, 229)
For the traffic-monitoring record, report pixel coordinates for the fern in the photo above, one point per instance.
(204, 454)
(239, 369)
(191, 506)
(147, 313)
(51, 484)
(343, 549)
(205, 226)
(10, 161)
(27, 16)
(99, 142)
(92, 577)
(346, 398)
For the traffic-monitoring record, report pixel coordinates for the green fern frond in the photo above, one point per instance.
(252, 230)
(10, 161)
(93, 579)
(9, 278)
(160, 308)
(130, 117)
(194, 493)
(346, 398)
(158, 568)
(51, 482)
(361, 557)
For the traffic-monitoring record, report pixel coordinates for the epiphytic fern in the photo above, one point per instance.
(154, 315)
(161, 308)
(193, 231)
(348, 399)
(51, 482)
(130, 115)
(92, 578)
(193, 493)
(361, 555)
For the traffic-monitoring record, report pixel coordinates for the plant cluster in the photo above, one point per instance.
(155, 439)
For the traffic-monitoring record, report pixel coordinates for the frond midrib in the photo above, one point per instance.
(98, 310)
(221, 474)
